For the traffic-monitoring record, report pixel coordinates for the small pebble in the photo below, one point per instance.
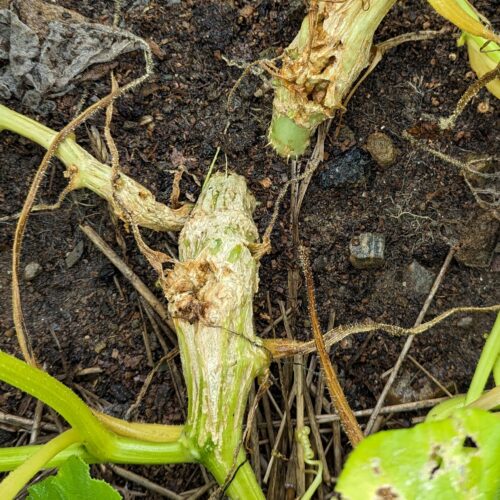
(367, 251)
(382, 149)
(100, 346)
(348, 168)
(419, 278)
(346, 343)
(32, 270)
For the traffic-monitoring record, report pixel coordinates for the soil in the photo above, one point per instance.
(88, 315)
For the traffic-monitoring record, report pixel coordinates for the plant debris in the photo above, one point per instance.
(44, 59)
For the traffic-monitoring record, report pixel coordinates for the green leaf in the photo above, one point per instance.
(72, 482)
(456, 458)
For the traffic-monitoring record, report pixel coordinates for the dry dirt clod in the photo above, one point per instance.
(382, 149)
(367, 251)
(478, 240)
(32, 270)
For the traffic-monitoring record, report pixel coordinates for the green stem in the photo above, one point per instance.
(13, 457)
(86, 172)
(489, 355)
(446, 408)
(69, 152)
(496, 371)
(103, 444)
(18, 478)
(243, 486)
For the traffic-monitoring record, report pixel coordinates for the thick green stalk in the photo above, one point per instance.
(16, 480)
(85, 171)
(101, 443)
(13, 457)
(210, 293)
(320, 67)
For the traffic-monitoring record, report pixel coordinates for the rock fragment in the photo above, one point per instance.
(465, 322)
(367, 251)
(419, 279)
(32, 270)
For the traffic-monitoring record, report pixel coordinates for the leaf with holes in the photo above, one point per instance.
(456, 458)
(72, 482)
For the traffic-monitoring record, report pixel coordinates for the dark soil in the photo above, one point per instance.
(89, 315)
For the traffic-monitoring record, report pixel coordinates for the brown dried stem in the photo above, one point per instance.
(349, 422)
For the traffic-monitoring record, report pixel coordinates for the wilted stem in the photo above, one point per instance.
(319, 68)
(210, 293)
(84, 171)
(99, 441)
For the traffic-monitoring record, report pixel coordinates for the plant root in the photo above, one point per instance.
(474, 88)
(280, 348)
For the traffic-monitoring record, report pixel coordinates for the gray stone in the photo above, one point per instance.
(419, 279)
(75, 255)
(32, 270)
(367, 251)
(409, 387)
